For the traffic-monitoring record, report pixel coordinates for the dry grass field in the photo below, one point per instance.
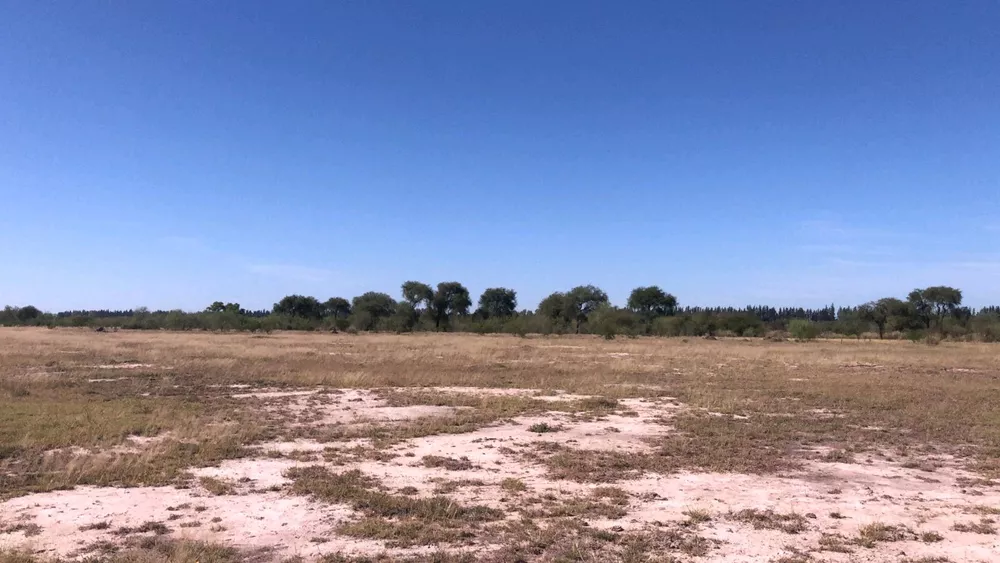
(168, 447)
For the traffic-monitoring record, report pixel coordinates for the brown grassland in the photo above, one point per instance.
(91, 413)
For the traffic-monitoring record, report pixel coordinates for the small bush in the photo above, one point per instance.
(802, 329)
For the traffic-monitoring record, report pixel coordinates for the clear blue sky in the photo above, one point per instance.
(172, 153)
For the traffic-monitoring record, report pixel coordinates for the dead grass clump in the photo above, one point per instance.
(512, 485)
(877, 532)
(449, 463)
(573, 540)
(401, 520)
(217, 487)
(29, 529)
(835, 543)
(696, 516)
(984, 526)
(594, 466)
(544, 427)
(157, 528)
(790, 523)
(838, 456)
(931, 537)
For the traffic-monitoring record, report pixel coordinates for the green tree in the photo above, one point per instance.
(299, 306)
(450, 299)
(373, 306)
(416, 294)
(216, 307)
(882, 312)
(944, 301)
(27, 313)
(920, 307)
(553, 306)
(337, 307)
(498, 302)
(582, 300)
(651, 302)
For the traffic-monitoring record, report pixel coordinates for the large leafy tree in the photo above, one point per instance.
(882, 312)
(299, 306)
(450, 299)
(651, 302)
(337, 307)
(28, 313)
(944, 301)
(498, 302)
(552, 306)
(920, 307)
(375, 306)
(417, 293)
(220, 307)
(581, 301)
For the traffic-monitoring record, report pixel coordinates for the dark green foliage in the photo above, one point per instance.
(417, 294)
(581, 301)
(372, 307)
(27, 313)
(498, 302)
(337, 308)
(885, 311)
(299, 306)
(651, 302)
(552, 307)
(932, 313)
(450, 299)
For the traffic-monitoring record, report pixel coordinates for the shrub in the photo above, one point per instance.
(802, 329)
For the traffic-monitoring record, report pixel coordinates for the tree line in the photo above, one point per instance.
(448, 306)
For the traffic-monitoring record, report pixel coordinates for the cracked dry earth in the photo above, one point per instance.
(869, 508)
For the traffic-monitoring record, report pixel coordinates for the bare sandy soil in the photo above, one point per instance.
(816, 512)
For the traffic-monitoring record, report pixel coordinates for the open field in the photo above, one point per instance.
(162, 446)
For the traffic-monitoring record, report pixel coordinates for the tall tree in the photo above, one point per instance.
(450, 299)
(651, 302)
(28, 313)
(581, 301)
(375, 305)
(299, 306)
(498, 302)
(881, 312)
(553, 306)
(920, 307)
(337, 307)
(416, 294)
(943, 301)
(216, 307)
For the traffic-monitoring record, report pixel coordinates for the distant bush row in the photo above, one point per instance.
(936, 311)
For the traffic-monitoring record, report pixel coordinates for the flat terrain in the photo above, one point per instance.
(159, 446)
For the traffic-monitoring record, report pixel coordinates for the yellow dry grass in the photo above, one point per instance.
(71, 400)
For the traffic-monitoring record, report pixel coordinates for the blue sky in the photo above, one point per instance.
(169, 154)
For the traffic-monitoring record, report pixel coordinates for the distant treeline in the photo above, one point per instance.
(934, 312)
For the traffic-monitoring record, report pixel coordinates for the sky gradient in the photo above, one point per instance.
(170, 154)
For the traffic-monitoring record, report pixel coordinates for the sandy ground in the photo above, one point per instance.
(835, 499)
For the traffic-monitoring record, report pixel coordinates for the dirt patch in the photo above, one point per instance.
(837, 506)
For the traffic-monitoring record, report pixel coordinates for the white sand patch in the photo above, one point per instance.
(556, 395)
(858, 494)
(832, 498)
(318, 407)
(274, 394)
(275, 520)
(127, 365)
